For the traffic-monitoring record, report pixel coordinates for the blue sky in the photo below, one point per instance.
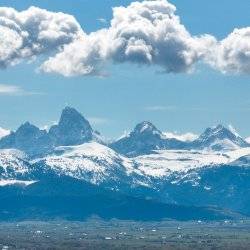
(130, 93)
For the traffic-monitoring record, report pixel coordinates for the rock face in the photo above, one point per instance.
(28, 138)
(143, 140)
(218, 138)
(73, 129)
(211, 170)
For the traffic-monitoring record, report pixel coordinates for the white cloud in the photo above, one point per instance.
(9, 89)
(6, 89)
(4, 132)
(26, 34)
(98, 120)
(181, 137)
(161, 108)
(232, 55)
(49, 125)
(84, 56)
(124, 135)
(144, 33)
(102, 20)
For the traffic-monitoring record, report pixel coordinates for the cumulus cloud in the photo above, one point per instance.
(232, 55)
(181, 137)
(147, 32)
(85, 56)
(150, 32)
(26, 34)
(144, 33)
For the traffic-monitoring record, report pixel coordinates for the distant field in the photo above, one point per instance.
(95, 234)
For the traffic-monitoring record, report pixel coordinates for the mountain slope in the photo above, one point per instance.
(211, 170)
(218, 138)
(153, 176)
(71, 199)
(28, 138)
(72, 129)
(224, 186)
(95, 163)
(14, 164)
(143, 140)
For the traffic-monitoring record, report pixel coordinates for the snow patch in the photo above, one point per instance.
(181, 137)
(165, 162)
(233, 130)
(91, 161)
(15, 182)
(247, 139)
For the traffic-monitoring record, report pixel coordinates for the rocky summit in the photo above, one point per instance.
(207, 178)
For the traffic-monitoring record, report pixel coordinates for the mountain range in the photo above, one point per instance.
(39, 168)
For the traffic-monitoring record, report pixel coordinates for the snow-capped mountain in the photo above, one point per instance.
(14, 165)
(94, 163)
(163, 163)
(72, 129)
(219, 138)
(144, 163)
(169, 176)
(28, 138)
(144, 139)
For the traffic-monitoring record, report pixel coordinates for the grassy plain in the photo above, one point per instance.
(123, 235)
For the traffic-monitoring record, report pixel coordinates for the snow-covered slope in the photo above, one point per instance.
(219, 138)
(14, 168)
(144, 139)
(165, 162)
(173, 176)
(94, 163)
(4, 183)
(99, 164)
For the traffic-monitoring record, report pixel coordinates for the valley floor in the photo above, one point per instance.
(96, 234)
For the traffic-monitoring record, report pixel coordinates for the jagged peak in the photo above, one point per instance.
(221, 137)
(146, 127)
(70, 118)
(220, 130)
(72, 129)
(71, 113)
(27, 126)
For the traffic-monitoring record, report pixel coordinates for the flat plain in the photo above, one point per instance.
(123, 235)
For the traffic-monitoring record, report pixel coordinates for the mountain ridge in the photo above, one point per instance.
(144, 164)
(74, 129)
